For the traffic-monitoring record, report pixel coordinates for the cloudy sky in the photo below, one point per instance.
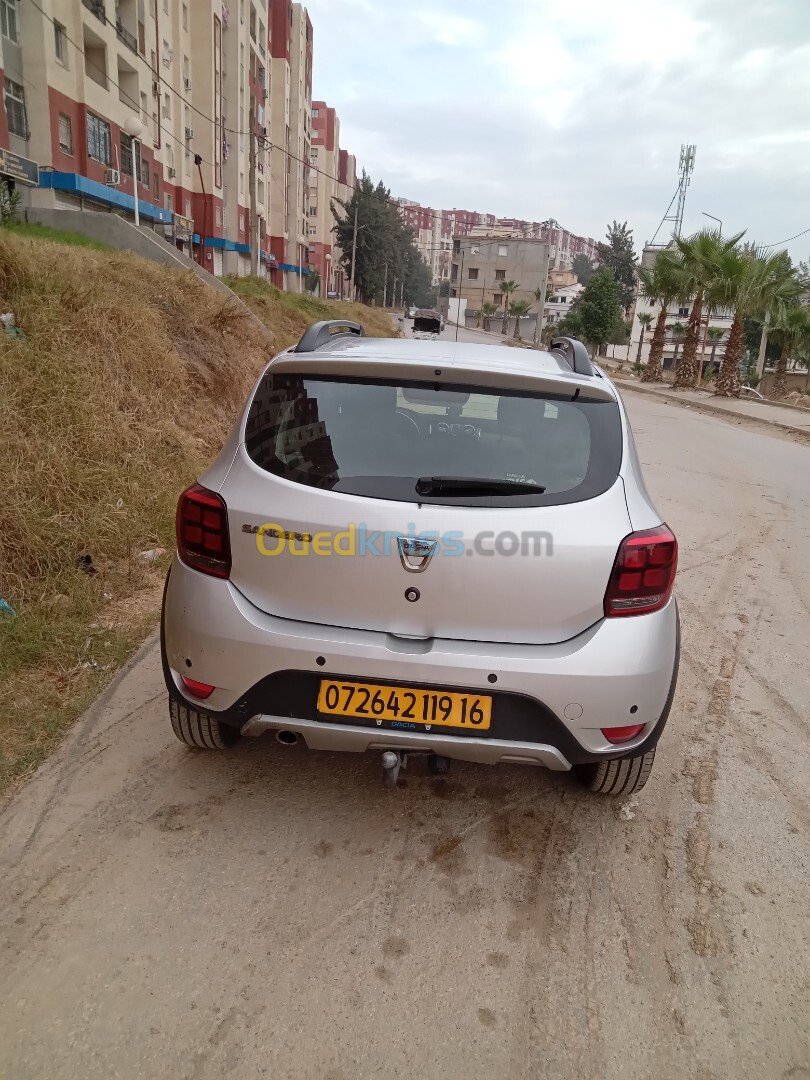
(577, 109)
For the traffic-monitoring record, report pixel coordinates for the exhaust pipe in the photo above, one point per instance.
(287, 738)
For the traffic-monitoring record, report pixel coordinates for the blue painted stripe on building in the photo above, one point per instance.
(294, 269)
(110, 196)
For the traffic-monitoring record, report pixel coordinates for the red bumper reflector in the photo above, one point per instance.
(621, 734)
(200, 690)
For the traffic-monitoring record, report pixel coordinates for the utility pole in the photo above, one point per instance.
(354, 250)
(402, 293)
(252, 220)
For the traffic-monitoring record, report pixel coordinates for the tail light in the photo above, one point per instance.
(202, 531)
(643, 573)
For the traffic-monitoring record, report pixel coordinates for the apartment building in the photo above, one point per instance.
(290, 121)
(331, 180)
(198, 82)
(480, 265)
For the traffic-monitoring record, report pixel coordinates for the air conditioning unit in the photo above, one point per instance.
(171, 173)
(189, 133)
(155, 87)
(187, 83)
(112, 177)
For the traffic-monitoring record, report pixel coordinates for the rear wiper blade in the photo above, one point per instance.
(474, 485)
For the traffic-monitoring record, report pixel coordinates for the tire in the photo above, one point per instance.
(200, 730)
(622, 776)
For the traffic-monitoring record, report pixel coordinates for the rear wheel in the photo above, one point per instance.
(200, 729)
(621, 776)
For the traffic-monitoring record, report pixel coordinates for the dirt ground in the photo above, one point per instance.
(274, 912)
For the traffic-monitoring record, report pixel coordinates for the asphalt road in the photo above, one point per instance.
(274, 912)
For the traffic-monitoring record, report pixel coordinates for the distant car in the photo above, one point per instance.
(315, 592)
(749, 391)
(411, 312)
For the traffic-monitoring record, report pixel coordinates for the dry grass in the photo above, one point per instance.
(126, 385)
(287, 313)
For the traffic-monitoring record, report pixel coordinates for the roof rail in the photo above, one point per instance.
(321, 333)
(574, 353)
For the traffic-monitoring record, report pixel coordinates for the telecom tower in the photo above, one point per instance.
(686, 167)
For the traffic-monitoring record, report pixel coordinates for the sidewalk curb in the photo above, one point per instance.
(798, 434)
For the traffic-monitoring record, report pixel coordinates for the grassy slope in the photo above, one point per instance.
(126, 384)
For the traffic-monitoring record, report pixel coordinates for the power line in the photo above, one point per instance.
(780, 242)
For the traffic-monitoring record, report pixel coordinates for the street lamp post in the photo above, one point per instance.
(134, 128)
(717, 219)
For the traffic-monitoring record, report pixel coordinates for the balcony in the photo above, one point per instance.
(124, 35)
(97, 8)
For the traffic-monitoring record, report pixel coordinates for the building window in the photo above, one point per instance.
(144, 173)
(167, 106)
(168, 202)
(500, 275)
(503, 250)
(472, 273)
(156, 185)
(185, 16)
(683, 310)
(219, 215)
(9, 19)
(315, 114)
(65, 134)
(126, 154)
(60, 43)
(15, 109)
(454, 272)
(98, 139)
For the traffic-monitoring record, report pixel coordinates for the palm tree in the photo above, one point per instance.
(507, 288)
(678, 334)
(714, 335)
(660, 284)
(791, 328)
(519, 308)
(540, 296)
(750, 284)
(645, 318)
(699, 254)
(488, 310)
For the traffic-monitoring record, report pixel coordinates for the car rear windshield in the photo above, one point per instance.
(420, 442)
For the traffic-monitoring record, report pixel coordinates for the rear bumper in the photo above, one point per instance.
(550, 701)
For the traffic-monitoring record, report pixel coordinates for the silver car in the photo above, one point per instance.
(427, 548)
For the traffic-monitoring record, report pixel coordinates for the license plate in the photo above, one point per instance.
(399, 706)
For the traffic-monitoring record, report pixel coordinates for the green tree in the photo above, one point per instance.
(678, 334)
(791, 328)
(583, 268)
(700, 254)
(488, 310)
(598, 308)
(507, 288)
(619, 256)
(9, 203)
(660, 284)
(645, 319)
(385, 246)
(750, 284)
(519, 308)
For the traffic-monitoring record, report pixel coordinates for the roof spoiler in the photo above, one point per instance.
(321, 333)
(574, 353)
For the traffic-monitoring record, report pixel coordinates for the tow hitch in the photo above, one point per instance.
(394, 760)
